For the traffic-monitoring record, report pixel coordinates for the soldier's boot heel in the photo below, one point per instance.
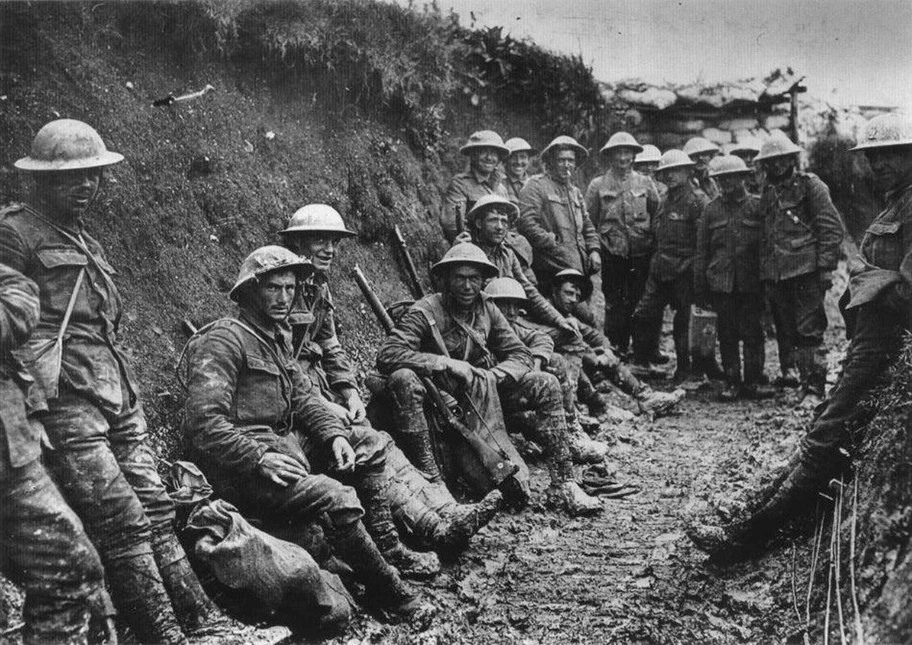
(457, 528)
(142, 600)
(417, 447)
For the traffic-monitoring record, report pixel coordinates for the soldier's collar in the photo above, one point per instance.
(262, 325)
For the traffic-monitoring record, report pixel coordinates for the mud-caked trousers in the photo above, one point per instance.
(534, 405)
(623, 283)
(740, 321)
(43, 548)
(106, 470)
(647, 317)
(800, 320)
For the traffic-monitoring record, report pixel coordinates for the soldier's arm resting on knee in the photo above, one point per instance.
(513, 358)
(409, 347)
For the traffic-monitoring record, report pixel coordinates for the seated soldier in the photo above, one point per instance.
(594, 350)
(511, 299)
(428, 508)
(462, 341)
(42, 541)
(266, 442)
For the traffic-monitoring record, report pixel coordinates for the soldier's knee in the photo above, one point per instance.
(543, 389)
(406, 387)
(370, 447)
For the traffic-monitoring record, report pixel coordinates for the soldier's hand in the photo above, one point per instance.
(571, 326)
(356, 410)
(595, 262)
(459, 370)
(344, 455)
(826, 280)
(280, 469)
(465, 236)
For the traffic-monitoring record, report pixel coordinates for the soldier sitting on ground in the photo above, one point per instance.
(596, 357)
(102, 459)
(512, 301)
(427, 507)
(267, 443)
(462, 341)
(882, 296)
(42, 541)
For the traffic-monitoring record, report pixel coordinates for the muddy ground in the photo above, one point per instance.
(631, 575)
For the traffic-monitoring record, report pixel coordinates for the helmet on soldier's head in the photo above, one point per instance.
(621, 140)
(564, 141)
(485, 139)
(519, 145)
(728, 165)
(67, 144)
(465, 253)
(581, 281)
(885, 131)
(505, 289)
(699, 145)
(674, 159)
(488, 203)
(266, 260)
(748, 146)
(317, 218)
(650, 154)
(778, 145)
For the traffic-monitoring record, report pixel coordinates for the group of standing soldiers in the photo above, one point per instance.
(274, 417)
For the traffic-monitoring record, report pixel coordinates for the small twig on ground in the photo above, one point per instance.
(794, 582)
(859, 630)
(818, 540)
(837, 571)
(829, 594)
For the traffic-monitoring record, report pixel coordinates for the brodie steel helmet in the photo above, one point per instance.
(728, 165)
(621, 140)
(485, 139)
(674, 159)
(505, 289)
(67, 144)
(778, 145)
(465, 253)
(650, 154)
(488, 203)
(317, 218)
(266, 260)
(885, 131)
(564, 141)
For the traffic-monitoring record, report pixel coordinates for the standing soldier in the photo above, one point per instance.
(701, 151)
(486, 151)
(516, 166)
(42, 542)
(102, 459)
(882, 296)
(258, 430)
(316, 232)
(799, 250)
(727, 275)
(622, 205)
(747, 149)
(671, 271)
(553, 217)
(462, 340)
(646, 163)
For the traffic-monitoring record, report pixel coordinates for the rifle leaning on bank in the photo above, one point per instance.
(414, 281)
(498, 466)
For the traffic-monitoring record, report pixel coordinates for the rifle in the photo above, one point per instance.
(417, 289)
(498, 465)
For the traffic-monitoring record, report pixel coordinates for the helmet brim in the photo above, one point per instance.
(606, 149)
(316, 230)
(303, 269)
(487, 270)
(467, 149)
(106, 158)
(879, 145)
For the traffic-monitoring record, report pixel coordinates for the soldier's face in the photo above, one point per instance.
(648, 168)
(892, 167)
(779, 166)
(674, 177)
(464, 284)
(566, 297)
(69, 192)
(485, 160)
(564, 165)
(747, 156)
(319, 249)
(701, 159)
(272, 295)
(731, 184)
(621, 159)
(493, 227)
(509, 308)
(517, 164)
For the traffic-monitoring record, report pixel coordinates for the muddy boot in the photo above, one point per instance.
(754, 388)
(606, 412)
(584, 450)
(730, 391)
(140, 595)
(738, 539)
(413, 435)
(378, 518)
(455, 530)
(355, 547)
(569, 498)
(658, 403)
(790, 377)
(193, 608)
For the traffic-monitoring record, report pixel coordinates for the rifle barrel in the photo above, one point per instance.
(373, 301)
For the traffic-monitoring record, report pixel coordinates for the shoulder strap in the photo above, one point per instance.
(71, 304)
(435, 332)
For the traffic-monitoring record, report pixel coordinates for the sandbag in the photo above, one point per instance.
(280, 581)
